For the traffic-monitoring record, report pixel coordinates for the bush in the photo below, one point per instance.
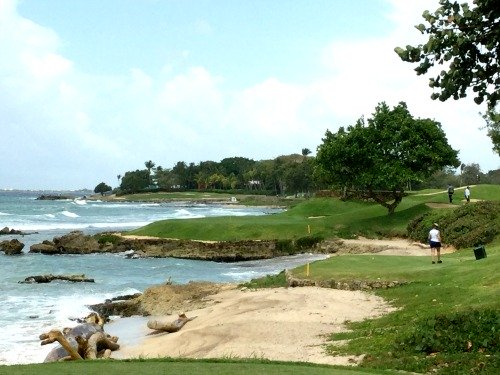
(471, 331)
(104, 238)
(466, 226)
(307, 242)
(285, 246)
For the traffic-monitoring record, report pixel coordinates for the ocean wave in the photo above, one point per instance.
(245, 275)
(4, 214)
(39, 316)
(80, 202)
(77, 226)
(185, 214)
(69, 214)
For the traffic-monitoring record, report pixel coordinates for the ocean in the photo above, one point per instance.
(27, 310)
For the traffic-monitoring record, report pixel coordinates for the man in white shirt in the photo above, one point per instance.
(435, 243)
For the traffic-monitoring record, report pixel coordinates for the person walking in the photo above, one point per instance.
(435, 243)
(467, 194)
(450, 193)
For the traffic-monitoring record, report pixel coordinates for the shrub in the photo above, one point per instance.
(307, 242)
(104, 238)
(469, 225)
(285, 246)
(471, 331)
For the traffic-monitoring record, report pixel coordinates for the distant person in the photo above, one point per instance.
(450, 193)
(435, 243)
(467, 194)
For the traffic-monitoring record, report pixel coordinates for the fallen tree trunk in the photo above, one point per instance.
(85, 341)
(162, 326)
(56, 335)
(99, 342)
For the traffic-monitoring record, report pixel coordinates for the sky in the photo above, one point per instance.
(90, 89)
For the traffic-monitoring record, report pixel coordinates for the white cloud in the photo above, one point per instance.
(91, 128)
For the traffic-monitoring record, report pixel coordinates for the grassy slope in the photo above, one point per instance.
(459, 284)
(324, 216)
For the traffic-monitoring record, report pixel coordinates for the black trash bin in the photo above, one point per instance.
(480, 252)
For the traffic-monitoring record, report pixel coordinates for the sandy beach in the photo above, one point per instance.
(288, 324)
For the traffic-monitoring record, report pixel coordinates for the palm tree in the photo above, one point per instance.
(149, 165)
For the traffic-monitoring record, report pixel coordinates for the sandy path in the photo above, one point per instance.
(286, 324)
(394, 246)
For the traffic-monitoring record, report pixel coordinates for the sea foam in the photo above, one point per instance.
(69, 214)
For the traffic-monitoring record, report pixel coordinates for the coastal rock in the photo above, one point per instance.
(46, 247)
(165, 299)
(343, 284)
(12, 247)
(51, 197)
(118, 308)
(76, 243)
(218, 251)
(136, 247)
(41, 279)
(7, 230)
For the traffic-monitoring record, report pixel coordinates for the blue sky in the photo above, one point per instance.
(91, 89)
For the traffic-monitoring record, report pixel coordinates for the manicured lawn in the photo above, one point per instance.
(184, 367)
(326, 217)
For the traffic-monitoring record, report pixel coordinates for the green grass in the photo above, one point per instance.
(184, 367)
(326, 217)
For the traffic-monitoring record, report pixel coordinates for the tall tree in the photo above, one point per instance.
(236, 166)
(102, 188)
(492, 119)
(377, 159)
(471, 174)
(149, 166)
(466, 41)
(134, 182)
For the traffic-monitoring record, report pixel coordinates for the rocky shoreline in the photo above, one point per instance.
(77, 242)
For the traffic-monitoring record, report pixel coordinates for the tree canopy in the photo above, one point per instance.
(102, 188)
(377, 158)
(135, 181)
(466, 42)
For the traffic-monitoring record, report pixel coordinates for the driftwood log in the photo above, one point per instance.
(85, 341)
(48, 278)
(159, 325)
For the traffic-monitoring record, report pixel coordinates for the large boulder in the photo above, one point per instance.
(76, 243)
(46, 247)
(12, 247)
